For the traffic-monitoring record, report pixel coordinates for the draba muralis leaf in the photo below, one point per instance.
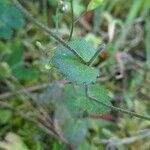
(76, 100)
(76, 131)
(69, 65)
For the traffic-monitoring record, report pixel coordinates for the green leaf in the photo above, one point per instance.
(94, 4)
(71, 67)
(5, 32)
(10, 18)
(76, 131)
(75, 103)
(22, 73)
(13, 18)
(16, 62)
(16, 56)
(5, 116)
(76, 100)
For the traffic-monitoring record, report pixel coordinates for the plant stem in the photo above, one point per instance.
(72, 20)
(96, 54)
(117, 109)
(46, 29)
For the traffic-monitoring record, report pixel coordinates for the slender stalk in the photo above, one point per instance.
(117, 109)
(72, 20)
(46, 29)
(96, 54)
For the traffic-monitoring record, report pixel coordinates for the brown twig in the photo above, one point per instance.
(29, 89)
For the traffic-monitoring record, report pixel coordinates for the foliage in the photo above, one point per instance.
(10, 18)
(17, 64)
(5, 116)
(77, 101)
(71, 67)
(58, 112)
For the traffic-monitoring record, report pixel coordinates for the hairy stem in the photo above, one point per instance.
(46, 29)
(96, 54)
(72, 20)
(117, 109)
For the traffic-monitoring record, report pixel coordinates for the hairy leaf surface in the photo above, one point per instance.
(77, 101)
(71, 67)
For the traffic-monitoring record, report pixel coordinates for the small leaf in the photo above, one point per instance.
(71, 67)
(22, 73)
(76, 100)
(5, 32)
(5, 116)
(16, 62)
(10, 18)
(94, 4)
(17, 54)
(13, 18)
(101, 94)
(76, 131)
